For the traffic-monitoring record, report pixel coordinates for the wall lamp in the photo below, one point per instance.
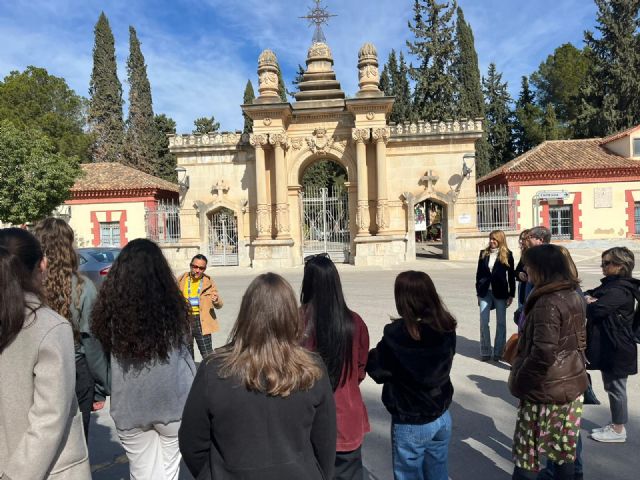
(466, 170)
(183, 179)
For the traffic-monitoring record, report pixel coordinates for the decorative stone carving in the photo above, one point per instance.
(370, 115)
(296, 143)
(219, 189)
(381, 134)
(381, 215)
(362, 217)
(368, 74)
(263, 221)
(430, 179)
(282, 219)
(318, 51)
(320, 142)
(278, 139)
(268, 74)
(266, 121)
(360, 134)
(257, 141)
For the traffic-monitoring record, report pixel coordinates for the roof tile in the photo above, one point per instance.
(110, 176)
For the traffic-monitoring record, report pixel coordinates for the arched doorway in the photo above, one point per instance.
(223, 237)
(430, 229)
(325, 211)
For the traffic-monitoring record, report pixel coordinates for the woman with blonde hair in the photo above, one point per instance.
(495, 288)
(41, 427)
(72, 296)
(261, 407)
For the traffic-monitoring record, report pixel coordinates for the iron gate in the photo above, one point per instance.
(325, 223)
(223, 238)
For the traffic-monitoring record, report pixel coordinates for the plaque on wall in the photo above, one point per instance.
(602, 197)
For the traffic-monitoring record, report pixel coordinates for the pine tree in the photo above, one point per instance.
(105, 104)
(141, 138)
(166, 161)
(527, 123)
(470, 100)
(247, 99)
(296, 81)
(205, 125)
(610, 100)
(498, 125)
(434, 49)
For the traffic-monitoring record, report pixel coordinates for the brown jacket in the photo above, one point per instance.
(550, 364)
(208, 318)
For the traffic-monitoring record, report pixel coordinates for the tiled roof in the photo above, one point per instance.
(111, 177)
(565, 156)
(618, 135)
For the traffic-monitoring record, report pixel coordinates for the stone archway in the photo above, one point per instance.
(437, 217)
(222, 237)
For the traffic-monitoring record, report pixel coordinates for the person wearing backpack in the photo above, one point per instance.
(611, 347)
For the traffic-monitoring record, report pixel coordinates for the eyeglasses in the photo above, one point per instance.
(321, 255)
(198, 267)
(606, 263)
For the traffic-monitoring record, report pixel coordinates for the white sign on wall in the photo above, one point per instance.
(464, 219)
(602, 197)
(552, 195)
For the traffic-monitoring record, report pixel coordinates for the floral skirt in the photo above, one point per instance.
(546, 430)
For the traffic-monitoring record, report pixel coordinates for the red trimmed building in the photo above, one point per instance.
(109, 202)
(580, 189)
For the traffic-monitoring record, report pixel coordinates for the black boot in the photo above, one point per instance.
(566, 471)
(522, 474)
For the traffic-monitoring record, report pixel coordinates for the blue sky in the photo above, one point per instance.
(200, 53)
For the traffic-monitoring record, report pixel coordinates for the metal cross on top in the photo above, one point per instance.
(431, 180)
(318, 16)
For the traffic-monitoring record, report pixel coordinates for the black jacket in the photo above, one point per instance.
(501, 279)
(610, 345)
(228, 432)
(415, 373)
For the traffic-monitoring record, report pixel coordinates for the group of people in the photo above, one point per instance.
(563, 332)
(281, 399)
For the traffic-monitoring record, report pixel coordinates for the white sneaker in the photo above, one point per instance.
(609, 435)
(600, 429)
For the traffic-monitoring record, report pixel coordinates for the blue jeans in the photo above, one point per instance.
(486, 303)
(420, 452)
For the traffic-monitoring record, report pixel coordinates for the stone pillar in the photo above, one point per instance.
(279, 142)
(381, 136)
(360, 136)
(263, 210)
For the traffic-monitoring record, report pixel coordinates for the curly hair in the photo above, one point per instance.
(140, 314)
(57, 240)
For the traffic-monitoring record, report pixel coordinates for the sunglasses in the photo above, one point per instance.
(316, 255)
(198, 267)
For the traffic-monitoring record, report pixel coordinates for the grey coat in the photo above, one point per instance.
(41, 434)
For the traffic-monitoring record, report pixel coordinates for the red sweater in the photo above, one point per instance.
(352, 421)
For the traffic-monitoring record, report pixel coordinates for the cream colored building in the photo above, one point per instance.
(242, 198)
(581, 189)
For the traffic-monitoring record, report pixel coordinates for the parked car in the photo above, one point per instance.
(95, 262)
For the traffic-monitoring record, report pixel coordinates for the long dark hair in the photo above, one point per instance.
(20, 256)
(264, 349)
(140, 314)
(418, 303)
(329, 319)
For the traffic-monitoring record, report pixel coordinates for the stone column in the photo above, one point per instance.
(381, 136)
(360, 136)
(279, 142)
(263, 211)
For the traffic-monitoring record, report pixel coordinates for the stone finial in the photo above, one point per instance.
(267, 74)
(368, 74)
(319, 51)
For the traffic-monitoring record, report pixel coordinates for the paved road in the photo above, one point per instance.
(483, 410)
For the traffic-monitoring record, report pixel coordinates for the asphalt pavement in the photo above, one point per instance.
(483, 411)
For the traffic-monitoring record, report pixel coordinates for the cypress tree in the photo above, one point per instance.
(247, 99)
(527, 126)
(402, 91)
(434, 49)
(141, 139)
(282, 88)
(166, 161)
(610, 100)
(550, 123)
(498, 125)
(385, 81)
(296, 81)
(105, 104)
(470, 100)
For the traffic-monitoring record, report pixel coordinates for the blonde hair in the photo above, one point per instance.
(264, 349)
(503, 250)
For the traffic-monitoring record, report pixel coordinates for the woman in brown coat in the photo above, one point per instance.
(548, 374)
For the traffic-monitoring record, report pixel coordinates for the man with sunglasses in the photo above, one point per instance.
(200, 291)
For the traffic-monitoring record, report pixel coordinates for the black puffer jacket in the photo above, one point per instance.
(415, 373)
(610, 345)
(550, 364)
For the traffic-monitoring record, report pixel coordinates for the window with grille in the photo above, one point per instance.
(636, 218)
(109, 234)
(636, 147)
(561, 221)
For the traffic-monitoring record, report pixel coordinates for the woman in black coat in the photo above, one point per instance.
(610, 344)
(495, 288)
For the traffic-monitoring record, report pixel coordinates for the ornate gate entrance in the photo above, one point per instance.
(223, 238)
(325, 223)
